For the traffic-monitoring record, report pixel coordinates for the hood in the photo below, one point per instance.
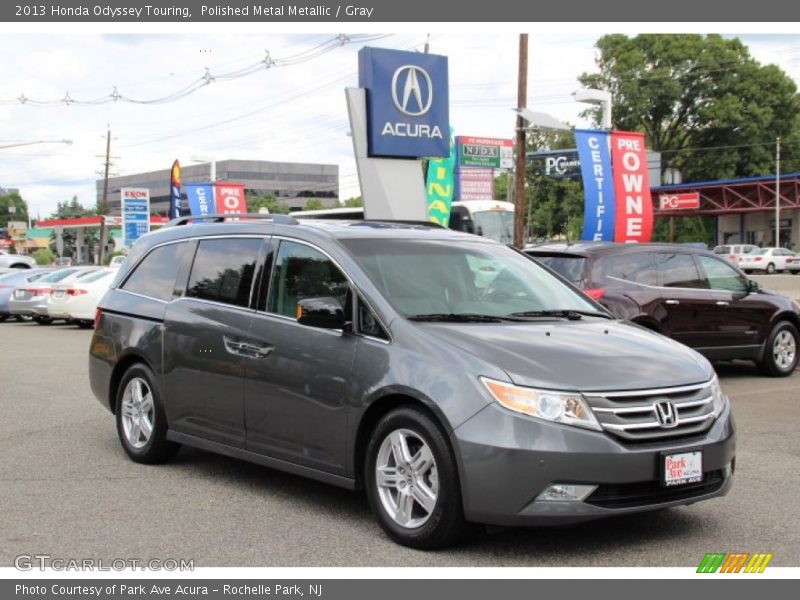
(586, 355)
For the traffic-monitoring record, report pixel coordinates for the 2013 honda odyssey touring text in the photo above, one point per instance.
(453, 379)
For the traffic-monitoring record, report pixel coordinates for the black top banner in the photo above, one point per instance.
(389, 11)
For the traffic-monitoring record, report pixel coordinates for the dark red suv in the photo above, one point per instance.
(686, 293)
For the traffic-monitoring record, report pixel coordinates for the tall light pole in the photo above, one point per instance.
(778, 193)
(212, 162)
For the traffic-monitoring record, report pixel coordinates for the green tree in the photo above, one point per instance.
(12, 208)
(274, 206)
(702, 101)
(73, 209)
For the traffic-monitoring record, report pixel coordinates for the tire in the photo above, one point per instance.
(43, 320)
(748, 271)
(780, 351)
(3, 318)
(439, 521)
(20, 266)
(770, 269)
(85, 324)
(133, 410)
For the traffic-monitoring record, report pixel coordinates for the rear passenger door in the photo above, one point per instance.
(206, 340)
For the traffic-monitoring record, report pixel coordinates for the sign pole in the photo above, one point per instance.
(778, 193)
(522, 102)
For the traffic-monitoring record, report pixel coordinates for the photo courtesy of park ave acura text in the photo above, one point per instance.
(382, 298)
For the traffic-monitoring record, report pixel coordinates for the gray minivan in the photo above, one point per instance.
(452, 378)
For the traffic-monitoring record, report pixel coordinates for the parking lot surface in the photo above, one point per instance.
(68, 490)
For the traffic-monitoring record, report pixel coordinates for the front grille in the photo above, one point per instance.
(627, 495)
(634, 416)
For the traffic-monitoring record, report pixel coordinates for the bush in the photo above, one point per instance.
(44, 257)
(108, 257)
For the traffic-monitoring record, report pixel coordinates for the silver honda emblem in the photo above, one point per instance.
(410, 100)
(666, 414)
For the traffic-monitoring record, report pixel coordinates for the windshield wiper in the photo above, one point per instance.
(568, 313)
(463, 318)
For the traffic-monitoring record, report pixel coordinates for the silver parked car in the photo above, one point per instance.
(380, 356)
(15, 261)
(31, 299)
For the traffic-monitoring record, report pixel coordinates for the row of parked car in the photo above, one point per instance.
(50, 294)
(751, 258)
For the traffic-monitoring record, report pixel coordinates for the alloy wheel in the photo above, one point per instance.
(784, 349)
(138, 412)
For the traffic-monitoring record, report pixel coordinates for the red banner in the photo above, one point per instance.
(230, 198)
(634, 221)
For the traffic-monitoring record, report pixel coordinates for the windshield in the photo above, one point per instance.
(95, 276)
(570, 268)
(443, 277)
(497, 225)
(57, 276)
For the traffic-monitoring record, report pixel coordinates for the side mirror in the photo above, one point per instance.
(753, 287)
(325, 313)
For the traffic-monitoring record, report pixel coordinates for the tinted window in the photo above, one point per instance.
(223, 270)
(678, 270)
(720, 275)
(570, 268)
(155, 275)
(301, 272)
(95, 276)
(635, 268)
(722, 250)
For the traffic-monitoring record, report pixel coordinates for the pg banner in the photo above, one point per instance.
(598, 185)
(200, 197)
(634, 218)
(230, 198)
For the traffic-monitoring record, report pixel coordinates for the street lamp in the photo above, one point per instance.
(601, 97)
(32, 143)
(211, 160)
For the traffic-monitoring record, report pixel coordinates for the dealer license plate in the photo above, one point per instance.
(682, 468)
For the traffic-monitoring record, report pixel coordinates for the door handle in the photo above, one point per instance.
(722, 303)
(672, 302)
(250, 350)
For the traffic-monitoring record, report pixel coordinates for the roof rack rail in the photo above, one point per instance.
(430, 224)
(219, 218)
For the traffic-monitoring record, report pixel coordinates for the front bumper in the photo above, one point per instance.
(507, 460)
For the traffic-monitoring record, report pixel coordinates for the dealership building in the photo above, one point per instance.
(292, 183)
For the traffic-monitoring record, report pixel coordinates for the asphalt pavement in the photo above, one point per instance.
(68, 490)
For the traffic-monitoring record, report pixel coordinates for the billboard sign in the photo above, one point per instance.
(135, 214)
(485, 152)
(474, 184)
(408, 109)
(634, 210)
(558, 164)
(685, 201)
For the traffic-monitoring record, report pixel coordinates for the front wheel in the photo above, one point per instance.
(141, 421)
(43, 320)
(780, 352)
(412, 481)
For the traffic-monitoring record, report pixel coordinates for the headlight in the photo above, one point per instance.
(719, 398)
(558, 407)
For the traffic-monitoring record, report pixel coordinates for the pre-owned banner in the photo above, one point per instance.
(175, 204)
(230, 198)
(598, 185)
(634, 218)
(200, 197)
(440, 186)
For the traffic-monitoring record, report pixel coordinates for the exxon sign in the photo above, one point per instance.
(408, 112)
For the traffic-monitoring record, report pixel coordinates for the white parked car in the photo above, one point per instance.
(734, 252)
(769, 260)
(15, 261)
(793, 263)
(77, 299)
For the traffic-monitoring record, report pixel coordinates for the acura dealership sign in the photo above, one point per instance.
(407, 103)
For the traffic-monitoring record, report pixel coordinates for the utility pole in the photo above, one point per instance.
(102, 206)
(778, 193)
(522, 102)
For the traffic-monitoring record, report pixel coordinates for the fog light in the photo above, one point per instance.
(567, 491)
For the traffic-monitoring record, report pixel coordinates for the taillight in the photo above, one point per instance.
(97, 316)
(757, 259)
(733, 257)
(39, 291)
(76, 292)
(595, 293)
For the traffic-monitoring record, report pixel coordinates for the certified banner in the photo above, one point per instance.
(439, 186)
(598, 185)
(200, 197)
(230, 198)
(634, 218)
(175, 203)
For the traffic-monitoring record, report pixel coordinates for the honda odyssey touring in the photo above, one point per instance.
(451, 378)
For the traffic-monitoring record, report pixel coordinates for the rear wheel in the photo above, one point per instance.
(84, 324)
(780, 352)
(770, 269)
(412, 481)
(43, 320)
(141, 421)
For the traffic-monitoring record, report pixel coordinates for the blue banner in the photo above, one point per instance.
(175, 204)
(598, 185)
(200, 197)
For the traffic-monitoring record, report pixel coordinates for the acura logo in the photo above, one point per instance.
(407, 94)
(666, 414)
